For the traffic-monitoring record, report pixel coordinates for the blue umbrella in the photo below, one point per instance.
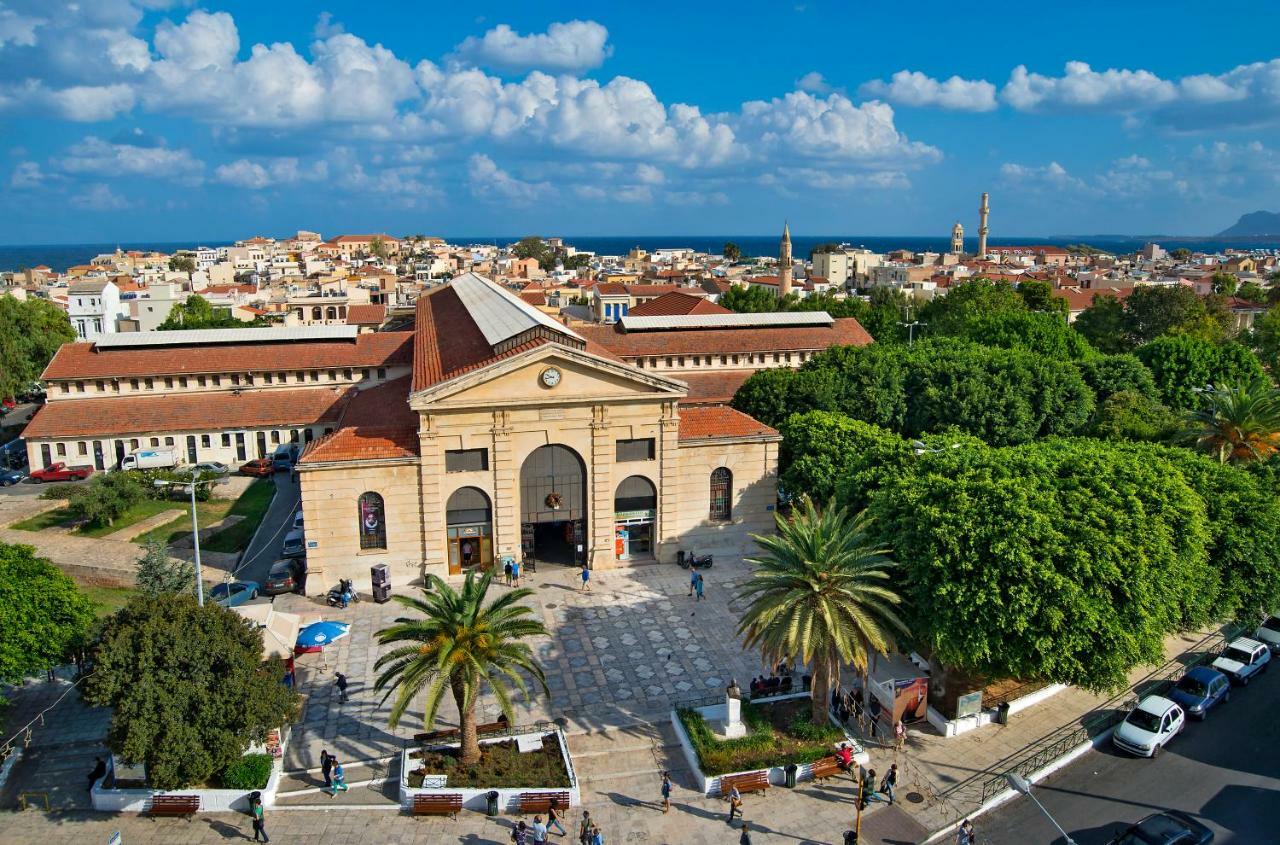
(322, 633)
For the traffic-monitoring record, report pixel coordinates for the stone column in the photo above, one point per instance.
(431, 470)
(600, 491)
(668, 528)
(506, 490)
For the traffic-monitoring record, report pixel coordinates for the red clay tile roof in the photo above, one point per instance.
(611, 289)
(366, 315)
(677, 302)
(1079, 299)
(84, 360)
(377, 424)
(845, 331)
(449, 343)
(711, 387)
(536, 298)
(702, 422)
(85, 418)
(651, 290)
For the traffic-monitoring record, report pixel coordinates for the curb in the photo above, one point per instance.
(240, 564)
(1035, 777)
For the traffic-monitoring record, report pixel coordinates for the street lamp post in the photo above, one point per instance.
(195, 524)
(1023, 786)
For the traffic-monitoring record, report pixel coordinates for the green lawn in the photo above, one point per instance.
(62, 517)
(107, 600)
(252, 505)
(56, 518)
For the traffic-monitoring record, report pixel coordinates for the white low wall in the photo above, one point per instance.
(211, 800)
(955, 727)
(477, 799)
(710, 785)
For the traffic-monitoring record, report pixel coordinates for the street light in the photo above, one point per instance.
(920, 448)
(195, 524)
(1023, 786)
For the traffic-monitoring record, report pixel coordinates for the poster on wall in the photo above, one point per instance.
(910, 699)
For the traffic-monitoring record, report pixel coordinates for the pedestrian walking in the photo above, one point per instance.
(890, 782)
(341, 682)
(326, 768)
(745, 838)
(666, 791)
(869, 788)
(99, 771)
(339, 779)
(693, 581)
(515, 572)
(857, 702)
(597, 838)
(699, 586)
(259, 820)
(553, 817)
(506, 570)
(584, 828)
(586, 578)
(539, 831)
(874, 709)
(520, 833)
(964, 833)
(735, 803)
(899, 735)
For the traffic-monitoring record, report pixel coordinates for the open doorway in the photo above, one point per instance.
(553, 503)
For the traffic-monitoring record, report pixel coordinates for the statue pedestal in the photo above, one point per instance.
(727, 722)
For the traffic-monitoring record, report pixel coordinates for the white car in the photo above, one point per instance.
(1269, 632)
(1149, 726)
(1242, 659)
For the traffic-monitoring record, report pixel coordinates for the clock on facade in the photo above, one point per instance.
(550, 377)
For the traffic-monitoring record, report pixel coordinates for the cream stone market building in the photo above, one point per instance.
(490, 430)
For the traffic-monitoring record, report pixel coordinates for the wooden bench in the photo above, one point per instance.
(451, 733)
(437, 805)
(827, 767)
(174, 805)
(750, 782)
(540, 802)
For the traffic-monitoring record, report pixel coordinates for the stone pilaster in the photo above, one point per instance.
(600, 493)
(669, 483)
(506, 487)
(430, 473)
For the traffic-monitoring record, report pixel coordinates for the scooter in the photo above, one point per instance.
(334, 598)
(689, 559)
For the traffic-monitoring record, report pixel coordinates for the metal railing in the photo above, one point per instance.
(1014, 694)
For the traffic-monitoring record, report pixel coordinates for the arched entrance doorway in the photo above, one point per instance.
(553, 505)
(468, 519)
(635, 512)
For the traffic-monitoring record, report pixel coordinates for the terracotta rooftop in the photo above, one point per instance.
(87, 418)
(85, 360)
(1079, 299)
(677, 302)
(377, 424)
(705, 422)
(366, 315)
(844, 331)
(712, 387)
(536, 298)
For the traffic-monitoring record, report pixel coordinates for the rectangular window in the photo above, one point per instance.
(268, 377)
(168, 383)
(333, 375)
(668, 361)
(364, 374)
(155, 441)
(382, 372)
(62, 450)
(301, 376)
(226, 440)
(205, 441)
(150, 383)
(466, 460)
(134, 444)
(168, 441)
(217, 381)
(346, 374)
(641, 449)
(202, 381)
(235, 379)
(82, 448)
(133, 384)
(102, 386)
(315, 375)
(182, 382)
(275, 438)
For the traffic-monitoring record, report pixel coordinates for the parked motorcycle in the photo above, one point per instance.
(334, 598)
(689, 559)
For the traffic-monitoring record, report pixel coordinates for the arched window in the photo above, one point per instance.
(315, 312)
(373, 522)
(721, 495)
(331, 313)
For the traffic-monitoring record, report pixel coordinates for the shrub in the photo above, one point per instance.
(249, 772)
(777, 733)
(104, 498)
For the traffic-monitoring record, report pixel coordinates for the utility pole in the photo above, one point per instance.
(910, 325)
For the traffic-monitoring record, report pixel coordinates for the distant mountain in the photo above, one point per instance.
(1253, 224)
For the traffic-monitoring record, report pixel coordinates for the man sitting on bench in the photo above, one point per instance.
(844, 756)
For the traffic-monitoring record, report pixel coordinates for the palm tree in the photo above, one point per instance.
(458, 644)
(1242, 424)
(819, 592)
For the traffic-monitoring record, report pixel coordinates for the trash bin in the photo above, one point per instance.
(791, 775)
(680, 558)
(1002, 713)
(491, 809)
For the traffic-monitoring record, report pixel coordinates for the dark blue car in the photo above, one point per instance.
(1201, 689)
(9, 477)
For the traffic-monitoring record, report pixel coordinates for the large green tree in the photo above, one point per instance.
(188, 688)
(1266, 338)
(106, 497)
(750, 300)
(30, 333)
(1129, 415)
(1182, 366)
(1155, 310)
(1103, 324)
(1110, 374)
(819, 591)
(823, 450)
(947, 315)
(456, 643)
(198, 313)
(159, 574)
(43, 611)
(1035, 331)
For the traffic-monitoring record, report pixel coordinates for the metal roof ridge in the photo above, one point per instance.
(499, 313)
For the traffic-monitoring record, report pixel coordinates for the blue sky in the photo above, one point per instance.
(134, 120)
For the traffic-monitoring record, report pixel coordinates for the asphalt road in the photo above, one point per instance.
(265, 548)
(1224, 771)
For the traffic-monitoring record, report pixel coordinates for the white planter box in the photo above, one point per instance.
(211, 800)
(955, 727)
(710, 784)
(477, 799)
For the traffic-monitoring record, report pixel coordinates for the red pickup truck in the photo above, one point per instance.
(60, 472)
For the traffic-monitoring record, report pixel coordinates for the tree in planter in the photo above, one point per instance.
(1241, 425)
(819, 592)
(45, 614)
(458, 644)
(160, 574)
(188, 687)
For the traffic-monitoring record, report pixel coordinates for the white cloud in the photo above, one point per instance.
(834, 180)
(253, 175)
(696, 198)
(649, 175)
(96, 157)
(327, 27)
(489, 181)
(828, 128)
(18, 29)
(570, 47)
(813, 83)
(92, 103)
(1049, 178)
(913, 88)
(1082, 87)
(26, 175)
(99, 197)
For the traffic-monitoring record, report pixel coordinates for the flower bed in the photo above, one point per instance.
(501, 765)
(778, 733)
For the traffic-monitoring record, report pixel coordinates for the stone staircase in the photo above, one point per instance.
(624, 765)
(375, 784)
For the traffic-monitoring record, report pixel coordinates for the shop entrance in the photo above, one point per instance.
(469, 526)
(553, 506)
(635, 509)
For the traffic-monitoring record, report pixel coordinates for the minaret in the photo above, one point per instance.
(784, 262)
(982, 226)
(957, 239)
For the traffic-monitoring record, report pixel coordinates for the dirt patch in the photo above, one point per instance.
(501, 766)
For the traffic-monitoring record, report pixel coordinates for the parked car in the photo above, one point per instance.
(10, 477)
(1242, 659)
(260, 467)
(1170, 828)
(60, 472)
(1269, 632)
(211, 468)
(1200, 690)
(285, 457)
(285, 577)
(234, 593)
(10, 403)
(294, 545)
(1149, 726)
(297, 519)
